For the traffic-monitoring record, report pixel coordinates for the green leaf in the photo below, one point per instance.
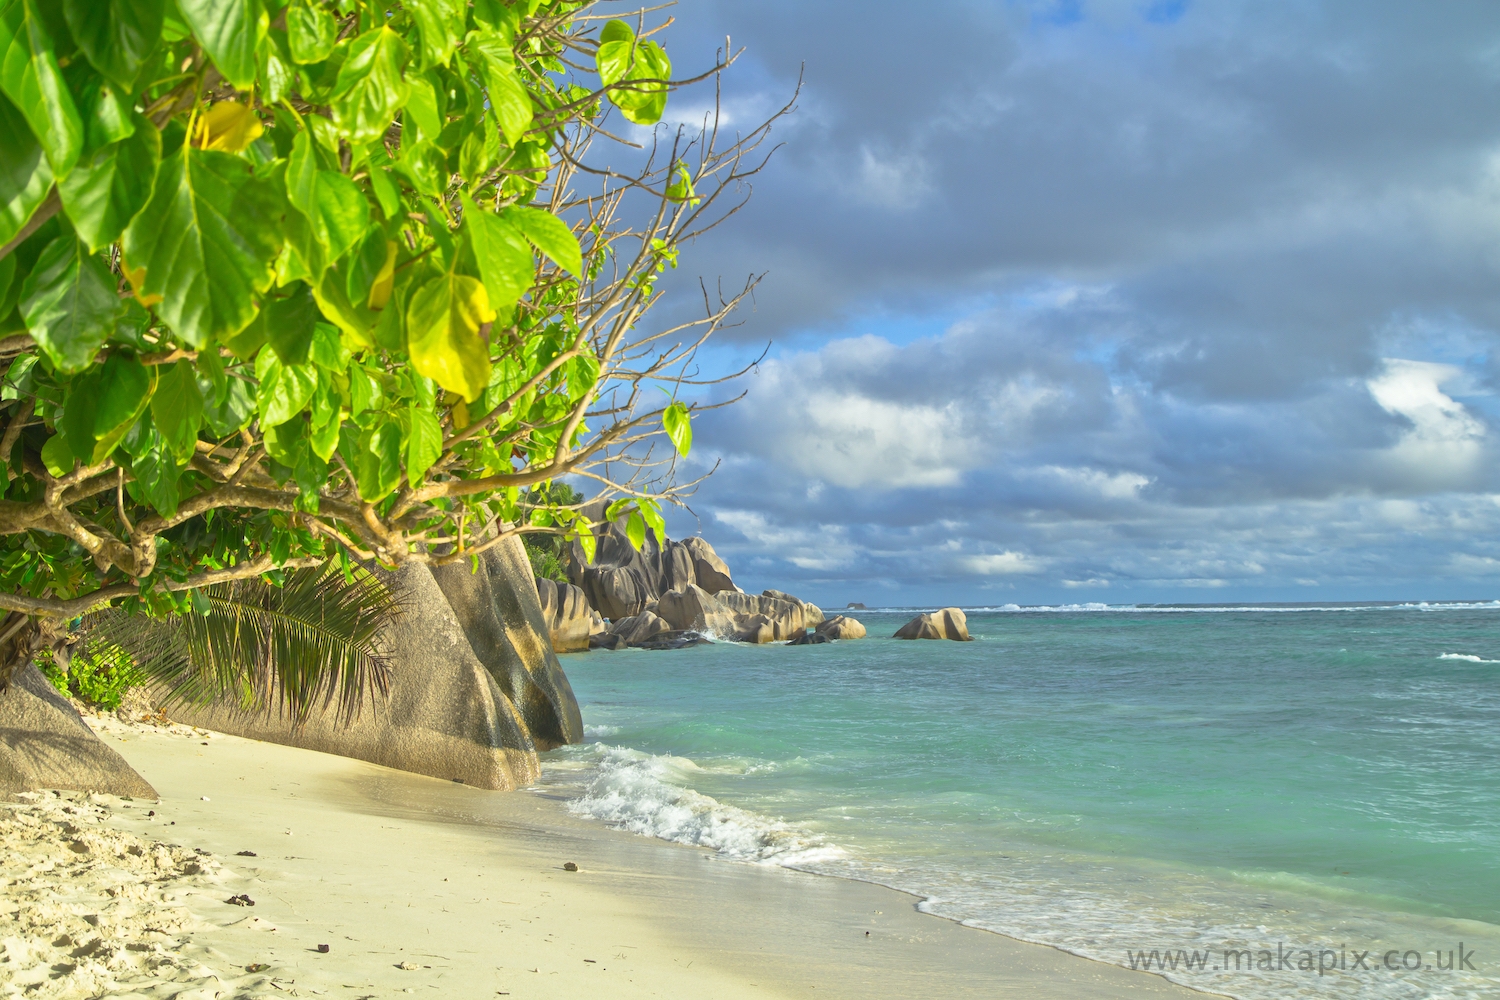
(328, 350)
(505, 260)
(177, 410)
(442, 323)
(549, 234)
(386, 192)
(423, 119)
(124, 386)
(206, 241)
(509, 100)
(233, 413)
(651, 512)
(635, 530)
(156, 475)
(289, 323)
(441, 26)
(230, 31)
(378, 470)
(106, 189)
(342, 213)
(69, 303)
(678, 425)
(311, 32)
(30, 76)
(586, 539)
(116, 35)
(284, 390)
(424, 443)
(617, 507)
(56, 456)
(370, 89)
(25, 172)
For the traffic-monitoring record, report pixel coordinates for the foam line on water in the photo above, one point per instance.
(1466, 657)
(647, 794)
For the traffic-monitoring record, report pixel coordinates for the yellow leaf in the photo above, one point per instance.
(385, 279)
(228, 126)
(443, 321)
(137, 277)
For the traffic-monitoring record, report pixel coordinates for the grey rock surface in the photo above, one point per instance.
(45, 744)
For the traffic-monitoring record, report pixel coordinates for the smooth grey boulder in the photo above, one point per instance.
(567, 614)
(606, 640)
(475, 688)
(810, 612)
(637, 630)
(841, 627)
(709, 571)
(694, 609)
(45, 744)
(947, 623)
(787, 616)
(755, 629)
(808, 639)
(497, 608)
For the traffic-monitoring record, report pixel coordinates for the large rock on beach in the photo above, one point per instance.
(947, 623)
(841, 627)
(45, 744)
(709, 571)
(570, 620)
(475, 692)
(811, 613)
(786, 614)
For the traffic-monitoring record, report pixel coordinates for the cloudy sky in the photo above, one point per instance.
(1110, 300)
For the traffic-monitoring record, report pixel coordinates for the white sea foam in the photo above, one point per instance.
(1096, 909)
(647, 794)
(1467, 657)
(598, 732)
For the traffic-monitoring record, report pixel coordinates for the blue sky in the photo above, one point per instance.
(1110, 301)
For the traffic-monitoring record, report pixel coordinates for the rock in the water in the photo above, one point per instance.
(680, 639)
(475, 687)
(842, 627)
(786, 616)
(695, 609)
(756, 629)
(606, 640)
(855, 606)
(567, 614)
(808, 639)
(44, 744)
(948, 623)
(638, 630)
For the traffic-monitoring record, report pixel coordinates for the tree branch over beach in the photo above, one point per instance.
(289, 283)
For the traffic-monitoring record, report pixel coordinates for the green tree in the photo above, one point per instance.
(291, 281)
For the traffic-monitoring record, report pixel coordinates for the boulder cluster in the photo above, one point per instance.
(670, 594)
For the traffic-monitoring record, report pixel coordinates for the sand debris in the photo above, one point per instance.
(89, 911)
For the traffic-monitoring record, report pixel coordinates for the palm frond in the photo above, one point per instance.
(312, 640)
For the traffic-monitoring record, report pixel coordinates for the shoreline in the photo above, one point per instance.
(355, 856)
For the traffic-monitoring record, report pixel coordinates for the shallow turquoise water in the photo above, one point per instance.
(1107, 781)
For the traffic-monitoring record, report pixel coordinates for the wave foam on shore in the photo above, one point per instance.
(648, 794)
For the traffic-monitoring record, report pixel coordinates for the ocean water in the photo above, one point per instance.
(1283, 801)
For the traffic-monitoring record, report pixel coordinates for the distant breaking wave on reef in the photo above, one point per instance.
(1466, 657)
(1205, 609)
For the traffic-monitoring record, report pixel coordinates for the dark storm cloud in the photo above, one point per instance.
(1224, 278)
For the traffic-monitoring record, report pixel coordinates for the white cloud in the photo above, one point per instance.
(1001, 564)
(1445, 443)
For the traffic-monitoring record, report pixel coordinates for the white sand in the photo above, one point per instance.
(424, 887)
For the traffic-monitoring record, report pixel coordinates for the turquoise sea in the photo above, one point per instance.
(1280, 788)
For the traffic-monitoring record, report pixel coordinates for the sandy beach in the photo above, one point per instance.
(417, 886)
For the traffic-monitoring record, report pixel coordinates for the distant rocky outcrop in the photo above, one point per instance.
(570, 620)
(947, 623)
(685, 585)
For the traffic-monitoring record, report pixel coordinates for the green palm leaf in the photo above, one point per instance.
(312, 641)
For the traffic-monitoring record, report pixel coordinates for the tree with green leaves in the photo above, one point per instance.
(292, 282)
